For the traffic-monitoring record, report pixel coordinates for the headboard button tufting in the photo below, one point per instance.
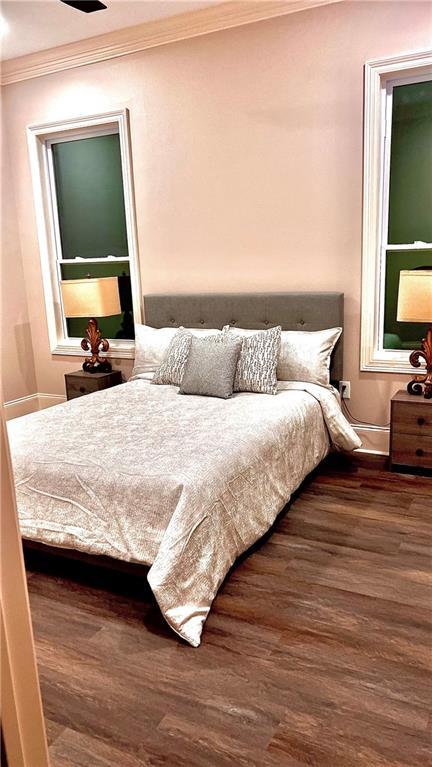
(172, 321)
(266, 322)
(233, 322)
(301, 322)
(201, 322)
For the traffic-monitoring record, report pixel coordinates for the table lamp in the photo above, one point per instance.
(92, 297)
(415, 305)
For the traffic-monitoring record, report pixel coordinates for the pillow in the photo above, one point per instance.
(256, 368)
(171, 370)
(305, 355)
(151, 345)
(211, 366)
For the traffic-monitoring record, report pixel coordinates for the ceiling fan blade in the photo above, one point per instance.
(87, 6)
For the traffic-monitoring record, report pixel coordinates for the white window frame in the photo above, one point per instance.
(40, 140)
(380, 77)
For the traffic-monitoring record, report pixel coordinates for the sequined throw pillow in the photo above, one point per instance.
(257, 365)
(172, 367)
(211, 366)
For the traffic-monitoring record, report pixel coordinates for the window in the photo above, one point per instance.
(397, 222)
(86, 223)
(409, 182)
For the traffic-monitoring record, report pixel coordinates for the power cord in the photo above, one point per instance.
(353, 418)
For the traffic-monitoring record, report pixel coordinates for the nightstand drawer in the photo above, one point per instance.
(80, 383)
(413, 418)
(411, 450)
(80, 388)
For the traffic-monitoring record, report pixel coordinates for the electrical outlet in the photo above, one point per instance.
(345, 389)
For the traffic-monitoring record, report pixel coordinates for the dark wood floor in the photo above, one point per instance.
(317, 650)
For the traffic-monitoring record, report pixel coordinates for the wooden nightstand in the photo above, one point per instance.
(80, 383)
(411, 432)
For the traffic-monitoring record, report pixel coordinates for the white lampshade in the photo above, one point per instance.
(415, 296)
(91, 297)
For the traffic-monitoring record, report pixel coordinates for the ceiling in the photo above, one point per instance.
(34, 25)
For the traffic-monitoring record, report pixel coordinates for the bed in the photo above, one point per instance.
(180, 484)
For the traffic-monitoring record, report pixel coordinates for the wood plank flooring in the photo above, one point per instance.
(317, 651)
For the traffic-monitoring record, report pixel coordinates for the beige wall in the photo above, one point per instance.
(17, 363)
(247, 150)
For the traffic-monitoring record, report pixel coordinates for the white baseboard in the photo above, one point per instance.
(31, 404)
(375, 439)
(21, 406)
(48, 400)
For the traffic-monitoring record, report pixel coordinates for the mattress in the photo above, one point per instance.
(183, 484)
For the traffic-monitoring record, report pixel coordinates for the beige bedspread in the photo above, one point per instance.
(182, 483)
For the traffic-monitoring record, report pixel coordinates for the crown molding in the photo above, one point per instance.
(122, 42)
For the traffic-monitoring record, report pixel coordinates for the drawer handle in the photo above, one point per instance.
(82, 389)
(420, 421)
(419, 451)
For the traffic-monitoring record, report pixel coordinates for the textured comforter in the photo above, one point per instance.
(181, 483)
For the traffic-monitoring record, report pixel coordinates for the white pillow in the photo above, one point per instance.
(305, 354)
(151, 345)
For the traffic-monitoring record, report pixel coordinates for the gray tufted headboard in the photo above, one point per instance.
(293, 311)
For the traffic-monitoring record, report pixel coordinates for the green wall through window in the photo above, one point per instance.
(410, 201)
(90, 199)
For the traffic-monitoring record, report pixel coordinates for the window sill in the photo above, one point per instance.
(117, 350)
(389, 361)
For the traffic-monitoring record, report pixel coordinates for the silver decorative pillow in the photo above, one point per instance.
(256, 368)
(171, 370)
(211, 366)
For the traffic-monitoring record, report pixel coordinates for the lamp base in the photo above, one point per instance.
(95, 343)
(105, 367)
(422, 384)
